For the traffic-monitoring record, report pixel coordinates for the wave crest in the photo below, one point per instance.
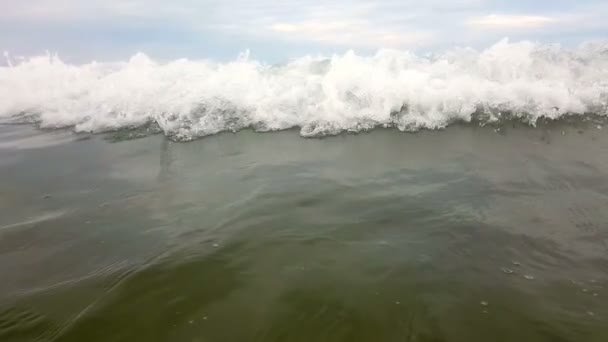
(321, 96)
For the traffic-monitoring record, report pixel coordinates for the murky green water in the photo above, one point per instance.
(460, 235)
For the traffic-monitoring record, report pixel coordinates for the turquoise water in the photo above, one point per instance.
(466, 234)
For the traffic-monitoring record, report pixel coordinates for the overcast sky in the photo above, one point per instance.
(275, 30)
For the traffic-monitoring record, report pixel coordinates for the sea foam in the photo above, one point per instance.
(319, 95)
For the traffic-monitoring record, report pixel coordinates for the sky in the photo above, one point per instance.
(274, 30)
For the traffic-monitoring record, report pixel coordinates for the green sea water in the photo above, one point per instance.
(466, 234)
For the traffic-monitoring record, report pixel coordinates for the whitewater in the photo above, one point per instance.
(187, 99)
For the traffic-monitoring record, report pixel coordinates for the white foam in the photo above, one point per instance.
(189, 99)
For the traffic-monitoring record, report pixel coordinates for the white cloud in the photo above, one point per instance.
(510, 21)
(369, 24)
(355, 33)
(282, 27)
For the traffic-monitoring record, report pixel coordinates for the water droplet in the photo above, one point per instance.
(563, 133)
(484, 303)
(205, 318)
(485, 311)
(585, 290)
(516, 263)
(190, 322)
(590, 313)
(599, 126)
(215, 245)
(397, 302)
(529, 277)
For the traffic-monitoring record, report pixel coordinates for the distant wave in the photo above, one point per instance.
(320, 96)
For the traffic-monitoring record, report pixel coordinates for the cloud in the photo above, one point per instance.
(510, 21)
(294, 25)
(283, 27)
(351, 33)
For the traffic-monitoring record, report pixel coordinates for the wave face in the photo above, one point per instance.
(321, 96)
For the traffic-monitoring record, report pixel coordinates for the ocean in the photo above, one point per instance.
(455, 197)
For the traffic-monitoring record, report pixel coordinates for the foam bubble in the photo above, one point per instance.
(321, 96)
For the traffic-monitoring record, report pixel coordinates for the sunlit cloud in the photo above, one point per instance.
(510, 21)
(352, 33)
(212, 26)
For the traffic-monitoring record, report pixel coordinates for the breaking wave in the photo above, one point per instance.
(321, 96)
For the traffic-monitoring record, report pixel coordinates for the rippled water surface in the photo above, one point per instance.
(466, 234)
